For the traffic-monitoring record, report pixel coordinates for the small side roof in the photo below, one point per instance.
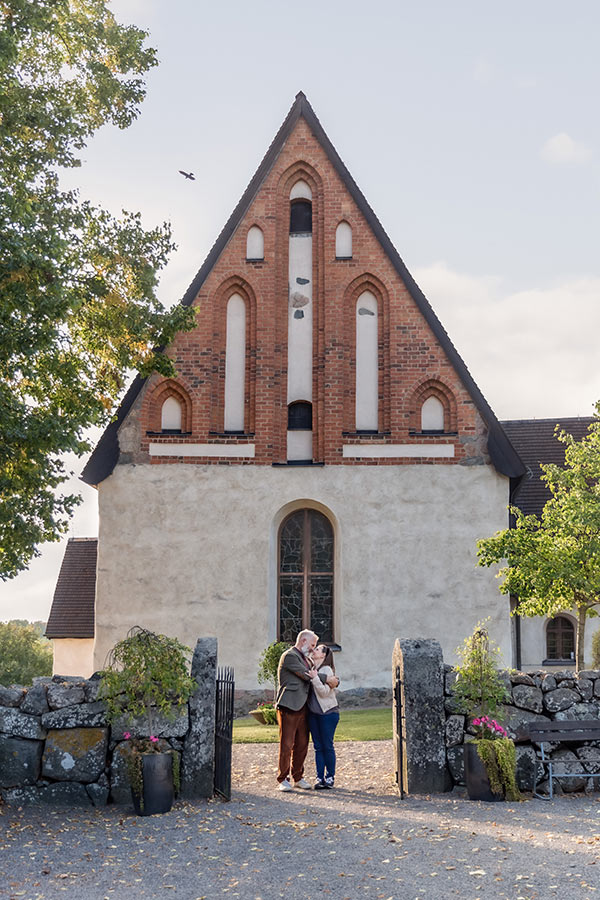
(535, 441)
(72, 612)
(502, 453)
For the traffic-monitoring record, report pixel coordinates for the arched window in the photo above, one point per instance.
(306, 562)
(560, 638)
(301, 217)
(235, 364)
(367, 363)
(255, 243)
(170, 415)
(343, 241)
(432, 415)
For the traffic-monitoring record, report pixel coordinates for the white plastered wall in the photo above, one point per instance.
(533, 640)
(191, 551)
(73, 656)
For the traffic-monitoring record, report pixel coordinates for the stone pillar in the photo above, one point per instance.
(421, 669)
(197, 773)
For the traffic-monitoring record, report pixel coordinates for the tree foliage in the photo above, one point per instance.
(78, 304)
(479, 688)
(553, 562)
(23, 656)
(268, 663)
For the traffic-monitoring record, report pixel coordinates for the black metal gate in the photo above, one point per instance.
(399, 734)
(224, 731)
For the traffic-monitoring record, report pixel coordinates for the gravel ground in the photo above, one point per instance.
(356, 841)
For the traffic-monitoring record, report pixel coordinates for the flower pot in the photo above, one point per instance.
(157, 777)
(258, 715)
(476, 776)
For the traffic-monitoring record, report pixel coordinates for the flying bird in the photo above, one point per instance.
(189, 175)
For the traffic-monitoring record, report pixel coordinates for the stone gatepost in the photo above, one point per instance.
(420, 666)
(197, 775)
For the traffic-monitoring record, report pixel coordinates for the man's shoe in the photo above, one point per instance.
(320, 785)
(303, 783)
(285, 785)
(329, 781)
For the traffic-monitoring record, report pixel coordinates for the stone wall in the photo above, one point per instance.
(534, 697)
(56, 744)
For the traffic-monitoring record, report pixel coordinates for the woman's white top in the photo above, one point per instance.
(325, 695)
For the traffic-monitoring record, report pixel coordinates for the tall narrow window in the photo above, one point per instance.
(306, 562)
(299, 435)
(432, 415)
(170, 416)
(560, 638)
(367, 363)
(235, 364)
(300, 297)
(343, 241)
(255, 244)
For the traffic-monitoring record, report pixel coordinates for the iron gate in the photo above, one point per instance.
(223, 731)
(399, 734)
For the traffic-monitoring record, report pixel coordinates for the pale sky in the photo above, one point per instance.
(471, 128)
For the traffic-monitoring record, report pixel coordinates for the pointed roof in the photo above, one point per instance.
(72, 612)
(503, 455)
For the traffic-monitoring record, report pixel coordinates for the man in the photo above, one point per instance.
(294, 675)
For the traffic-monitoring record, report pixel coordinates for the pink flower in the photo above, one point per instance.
(126, 735)
(153, 739)
(476, 721)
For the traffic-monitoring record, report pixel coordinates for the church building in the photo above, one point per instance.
(323, 457)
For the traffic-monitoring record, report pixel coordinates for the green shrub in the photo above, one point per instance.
(269, 662)
(479, 688)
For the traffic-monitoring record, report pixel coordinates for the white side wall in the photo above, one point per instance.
(74, 656)
(533, 640)
(191, 551)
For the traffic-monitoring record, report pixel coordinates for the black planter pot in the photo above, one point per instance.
(157, 777)
(476, 776)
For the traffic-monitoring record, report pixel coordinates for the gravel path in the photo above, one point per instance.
(356, 841)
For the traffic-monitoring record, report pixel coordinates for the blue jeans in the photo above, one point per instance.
(322, 729)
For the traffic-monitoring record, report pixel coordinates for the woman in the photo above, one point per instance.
(323, 717)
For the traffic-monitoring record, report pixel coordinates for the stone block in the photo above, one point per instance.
(597, 688)
(456, 763)
(592, 755)
(84, 715)
(585, 688)
(35, 701)
(449, 680)
(174, 725)
(91, 689)
(11, 696)
(564, 675)
(19, 761)
(518, 721)
(197, 776)
(527, 762)
(75, 754)
(452, 705)
(569, 764)
(21, 796)
(61, 695)
(65, 793)
(98, 793)
(15, 723)
(522, 678)
(579, 711)
(526, 697)
(591, 674)
(561, 698)
(455, 729)
(549, 683)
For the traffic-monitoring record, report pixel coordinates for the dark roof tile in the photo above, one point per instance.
(72, 612)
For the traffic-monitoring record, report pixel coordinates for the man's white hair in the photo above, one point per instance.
(305, 636)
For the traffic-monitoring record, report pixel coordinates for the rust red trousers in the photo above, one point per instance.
(293, 742)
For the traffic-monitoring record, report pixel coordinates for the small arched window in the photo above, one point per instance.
(343, 241)
(235, 364)
(560, 638)
(301, 217)
(170, 415)
(300, 416)
(255, 243)
(306, 564)
(432, 415)
(367, 363)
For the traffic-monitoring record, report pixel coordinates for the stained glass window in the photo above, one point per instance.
(306, 555)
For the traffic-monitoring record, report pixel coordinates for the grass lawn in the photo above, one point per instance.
(355, 725)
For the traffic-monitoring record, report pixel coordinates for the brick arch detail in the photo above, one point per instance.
(161, 393)
(366, 282)
(235, 284)
(433, 387)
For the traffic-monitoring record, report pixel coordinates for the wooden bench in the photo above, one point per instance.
(567, 732)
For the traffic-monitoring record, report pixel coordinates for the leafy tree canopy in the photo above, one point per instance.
(78, 304)
(23, 656)
(553, 563)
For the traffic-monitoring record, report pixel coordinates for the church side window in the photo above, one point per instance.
(255, 244)
(343, 241)
(235, 364)
(306, 563)
(432, 415)
(170, 415)
(560, 638)
(367, 363)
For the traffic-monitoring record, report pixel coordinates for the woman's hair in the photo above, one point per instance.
(328, 660)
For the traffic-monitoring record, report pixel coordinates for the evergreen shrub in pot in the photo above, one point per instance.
(490, 760)
(148, 673)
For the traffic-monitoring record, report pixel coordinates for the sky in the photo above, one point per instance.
(471, 128)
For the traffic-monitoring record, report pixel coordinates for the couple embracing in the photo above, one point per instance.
(306, 701)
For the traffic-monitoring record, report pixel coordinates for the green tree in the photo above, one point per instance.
(553, 562)
(22, 654)
(78, 305)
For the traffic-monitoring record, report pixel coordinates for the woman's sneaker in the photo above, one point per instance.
(329, 781)
(320, 785)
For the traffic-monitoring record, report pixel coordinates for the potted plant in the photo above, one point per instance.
(268, 664)
(147, 673)
(490, 763)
